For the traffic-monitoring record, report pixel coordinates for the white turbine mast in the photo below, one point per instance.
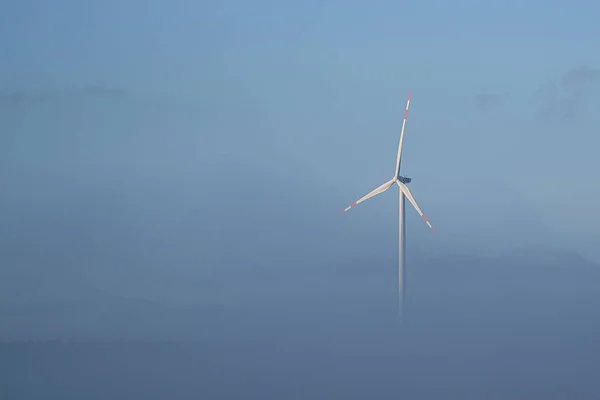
(403, 193)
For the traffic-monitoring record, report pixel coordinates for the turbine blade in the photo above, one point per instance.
(402, 137)
(375, 192)
(410, 198)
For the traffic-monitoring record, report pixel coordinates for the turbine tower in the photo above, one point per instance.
(403, 194)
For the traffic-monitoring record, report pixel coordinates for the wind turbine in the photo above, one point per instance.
(403, 193)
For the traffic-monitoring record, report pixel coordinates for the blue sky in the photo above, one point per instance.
(322, 85)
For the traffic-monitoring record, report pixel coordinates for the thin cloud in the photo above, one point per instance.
(489, 101)
(567, 99)
(18, 98)
(100, 91)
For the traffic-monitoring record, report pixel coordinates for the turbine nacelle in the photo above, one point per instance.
(404, 179)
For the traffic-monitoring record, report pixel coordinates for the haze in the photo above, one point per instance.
(172, 174)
